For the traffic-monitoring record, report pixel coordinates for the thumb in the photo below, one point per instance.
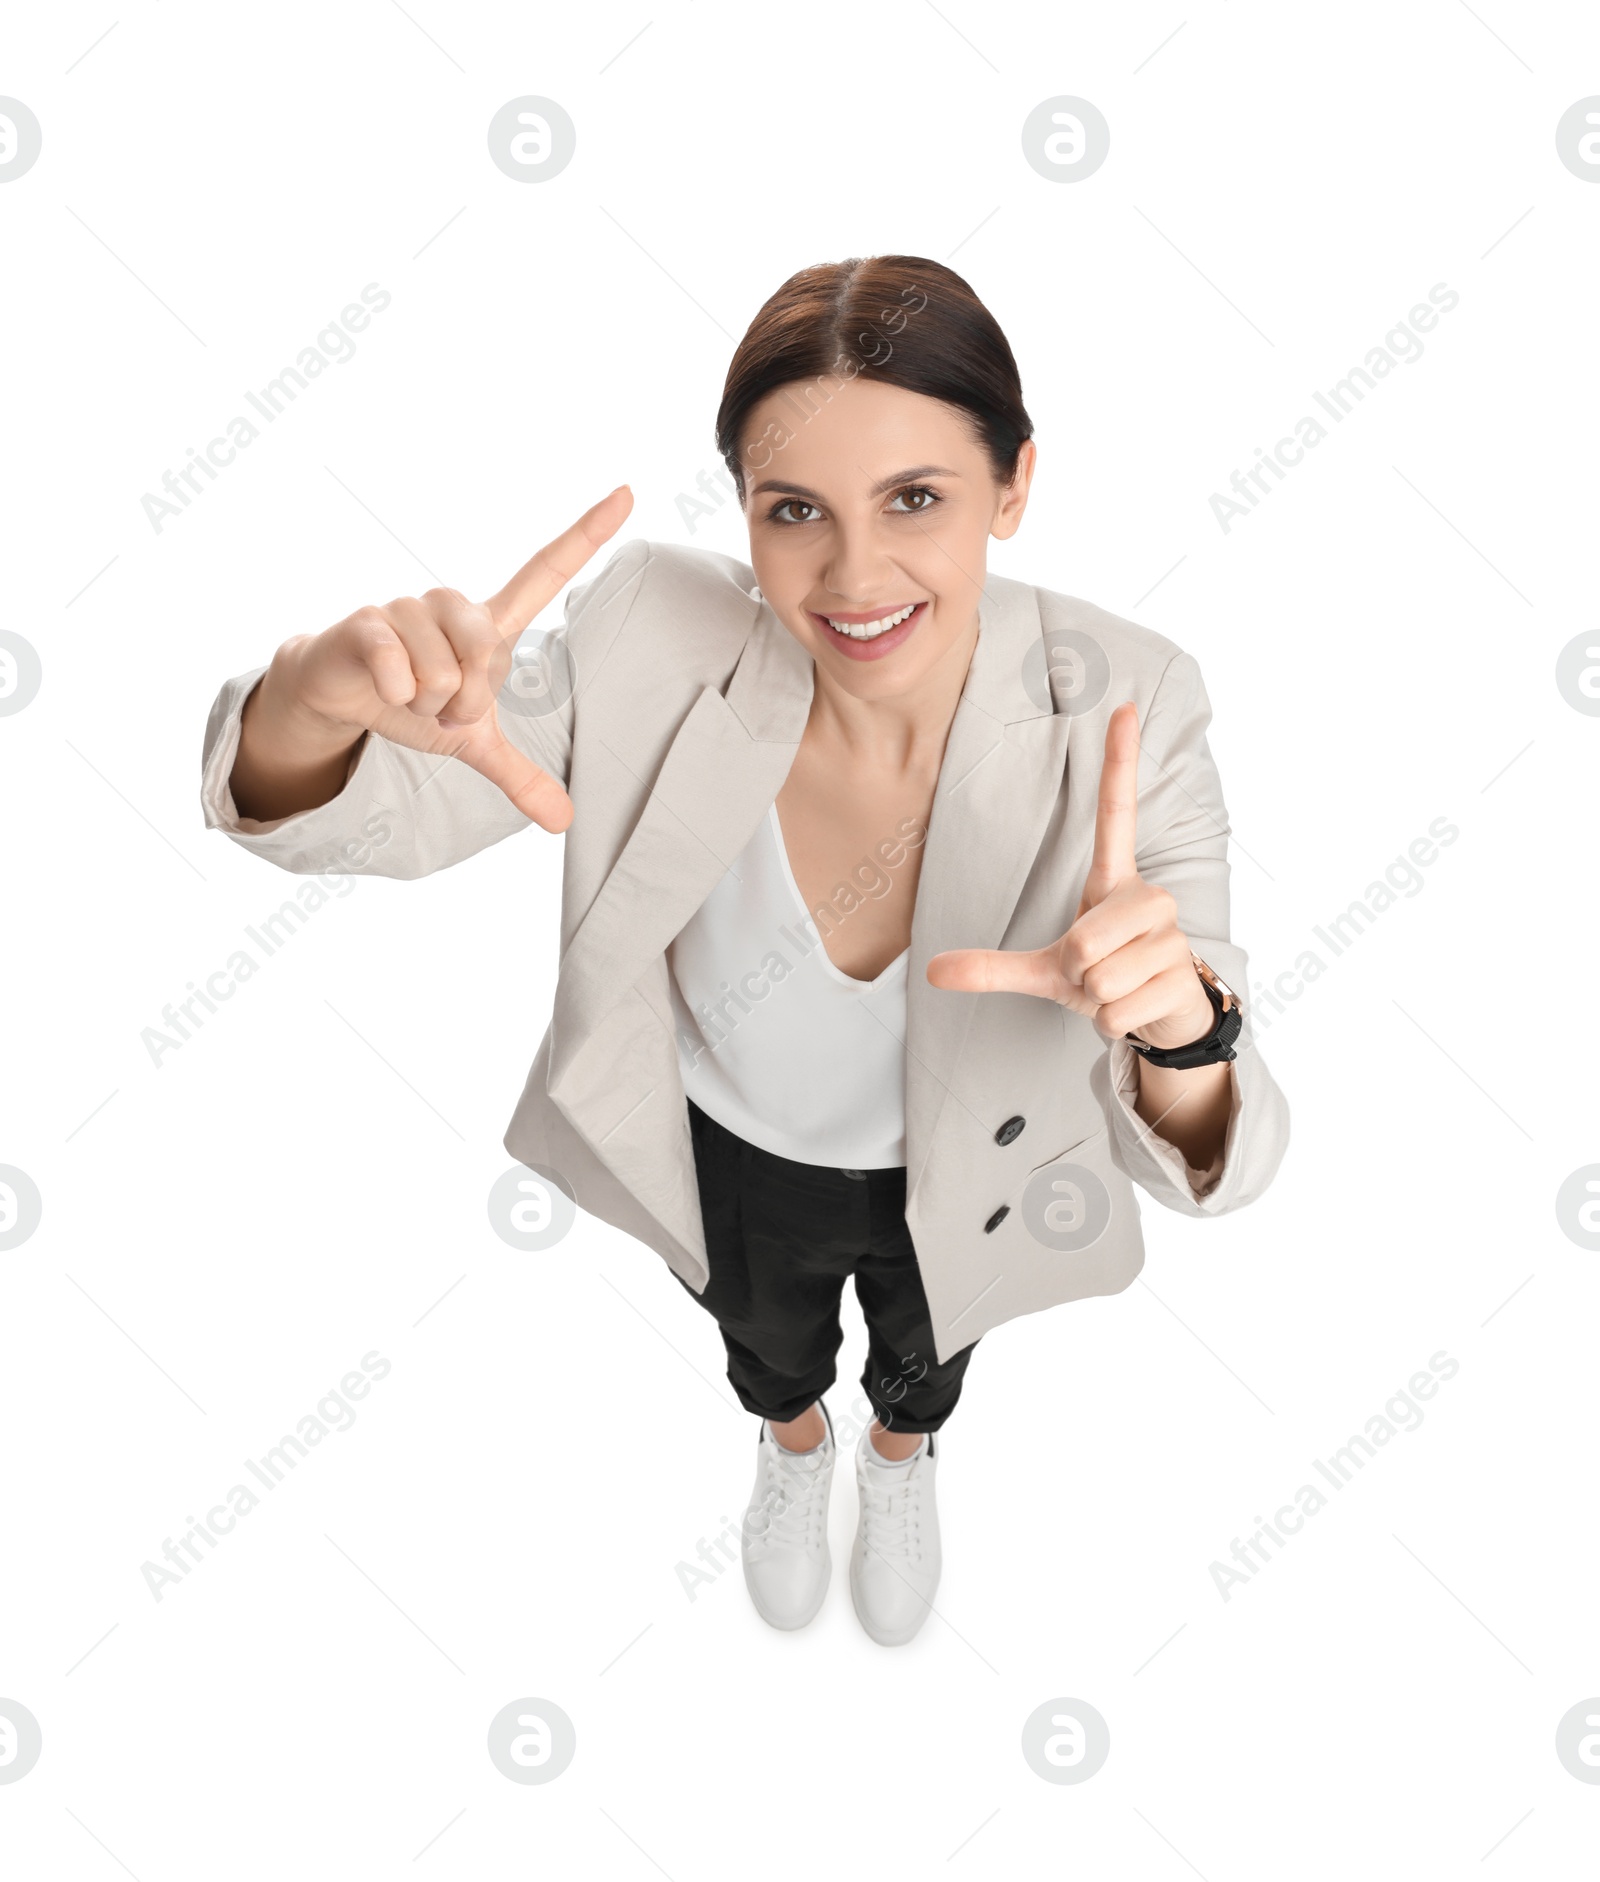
(534, 792)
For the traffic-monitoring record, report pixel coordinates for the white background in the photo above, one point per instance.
(225, 1235)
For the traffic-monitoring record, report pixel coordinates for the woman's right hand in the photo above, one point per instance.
(420, 671)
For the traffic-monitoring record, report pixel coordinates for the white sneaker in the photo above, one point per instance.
(894, 1567)
(784, 1537)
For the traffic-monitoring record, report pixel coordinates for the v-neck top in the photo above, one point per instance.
(777, 1043)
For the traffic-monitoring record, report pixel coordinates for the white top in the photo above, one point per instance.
(776, 1042)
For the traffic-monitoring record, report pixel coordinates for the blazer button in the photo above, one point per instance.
(997, 1218)
(1010, 1131)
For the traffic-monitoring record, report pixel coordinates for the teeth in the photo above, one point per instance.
(870, 630)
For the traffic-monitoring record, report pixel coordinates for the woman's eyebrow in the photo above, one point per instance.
(886, 483)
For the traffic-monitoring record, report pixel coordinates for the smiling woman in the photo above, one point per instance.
(1046, 956)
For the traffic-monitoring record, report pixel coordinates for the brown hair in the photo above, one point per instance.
(901, 319)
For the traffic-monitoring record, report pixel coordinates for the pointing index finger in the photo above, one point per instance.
(536, 584)
(1117, 813)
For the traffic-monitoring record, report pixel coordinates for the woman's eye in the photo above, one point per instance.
(777, 513)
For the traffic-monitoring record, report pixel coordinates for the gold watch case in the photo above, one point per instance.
(1213, 979)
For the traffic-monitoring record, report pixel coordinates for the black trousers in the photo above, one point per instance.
(781, 1240)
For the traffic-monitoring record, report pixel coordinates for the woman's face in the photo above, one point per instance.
(880, 501)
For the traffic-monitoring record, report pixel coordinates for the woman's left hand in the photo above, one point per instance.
(1124, 962)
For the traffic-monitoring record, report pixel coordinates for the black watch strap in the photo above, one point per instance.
(1216, 1048)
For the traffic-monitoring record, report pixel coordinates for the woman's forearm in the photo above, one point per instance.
(1190, 1110)
(288, 759)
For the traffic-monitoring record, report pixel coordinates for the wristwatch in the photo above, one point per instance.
(1216, 1048)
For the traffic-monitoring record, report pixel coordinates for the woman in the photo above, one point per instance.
(865, 870)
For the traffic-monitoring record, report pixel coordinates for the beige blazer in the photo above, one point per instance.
(686, 704)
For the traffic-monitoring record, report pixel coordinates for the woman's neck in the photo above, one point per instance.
(903, 732)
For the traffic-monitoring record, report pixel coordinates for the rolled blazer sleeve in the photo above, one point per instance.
(401, 812)
(1182, 844)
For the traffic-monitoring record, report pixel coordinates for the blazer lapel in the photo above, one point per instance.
(725, 765)
(999, 784)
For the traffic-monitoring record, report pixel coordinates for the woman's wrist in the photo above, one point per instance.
(290, 756)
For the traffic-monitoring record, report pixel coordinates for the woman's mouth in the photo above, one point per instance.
(871, 634)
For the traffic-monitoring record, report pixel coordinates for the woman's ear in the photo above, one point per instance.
(1013, 498)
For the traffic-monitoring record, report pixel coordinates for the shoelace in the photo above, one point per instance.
(890, 1515)
(790, 1499)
